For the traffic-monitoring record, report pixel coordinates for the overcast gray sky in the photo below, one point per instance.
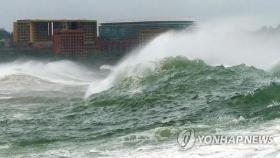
(128, 10)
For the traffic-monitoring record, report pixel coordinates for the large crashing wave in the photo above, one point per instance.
(186, 79)
(230, 43)
(149, 109)
(189, 93)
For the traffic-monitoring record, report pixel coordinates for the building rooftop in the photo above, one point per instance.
(147, 22)
(56, 20)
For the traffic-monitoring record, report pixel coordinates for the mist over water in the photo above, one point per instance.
(227, 42)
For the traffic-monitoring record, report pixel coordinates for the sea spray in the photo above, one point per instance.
(64, 71)
(225, 43)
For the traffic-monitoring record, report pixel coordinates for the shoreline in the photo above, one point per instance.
(97, 58)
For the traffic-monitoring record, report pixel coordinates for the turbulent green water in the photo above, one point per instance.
(139, 116)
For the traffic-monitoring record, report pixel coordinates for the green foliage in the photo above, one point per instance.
(4, 33)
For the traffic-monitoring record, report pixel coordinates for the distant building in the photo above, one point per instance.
(79, 37)
(126, 35)
(7, 42)
(40, 33)
(4, 42)
(69, 42)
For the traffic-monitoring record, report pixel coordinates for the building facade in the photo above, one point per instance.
(69, 43)
(40, 33)
(78, 37)
(127, 35)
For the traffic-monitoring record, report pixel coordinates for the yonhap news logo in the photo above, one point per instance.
(187, 139)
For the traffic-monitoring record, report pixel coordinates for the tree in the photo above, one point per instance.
(4, 33)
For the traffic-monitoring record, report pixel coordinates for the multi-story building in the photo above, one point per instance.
(40, 33)
(69, 43)
(78, 37)
(126, 35)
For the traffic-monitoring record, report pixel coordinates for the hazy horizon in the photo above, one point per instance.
(128, 10)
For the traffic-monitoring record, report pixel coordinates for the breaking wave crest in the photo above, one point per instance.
(227, 44)
(65, 72)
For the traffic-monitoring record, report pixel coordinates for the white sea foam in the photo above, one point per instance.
(172, 149)
(65, 72)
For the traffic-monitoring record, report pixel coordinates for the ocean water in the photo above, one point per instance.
(63, 109)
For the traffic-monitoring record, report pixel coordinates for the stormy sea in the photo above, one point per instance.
(217, 80)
